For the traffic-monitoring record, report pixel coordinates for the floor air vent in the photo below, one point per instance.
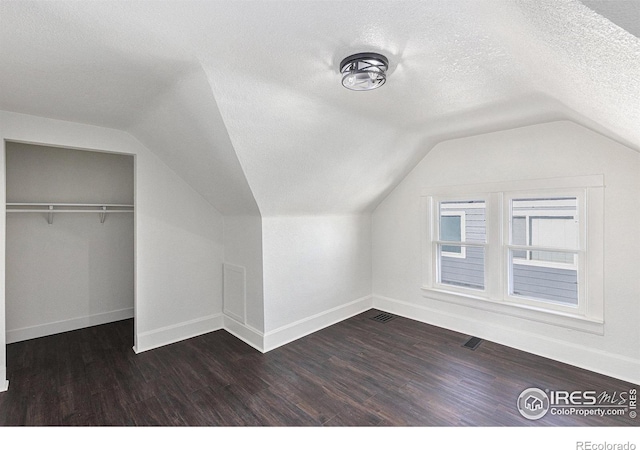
(472, 343)
(383, 317)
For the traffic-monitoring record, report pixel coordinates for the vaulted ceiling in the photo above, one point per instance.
(243, 98)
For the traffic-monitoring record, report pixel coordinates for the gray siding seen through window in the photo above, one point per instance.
(546, 283)
(467, 271)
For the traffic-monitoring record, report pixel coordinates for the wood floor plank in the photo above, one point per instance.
(222, 407)
(150, 412)
(180, 409)
(273, 409)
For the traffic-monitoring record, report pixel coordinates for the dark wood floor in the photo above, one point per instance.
(356, 373)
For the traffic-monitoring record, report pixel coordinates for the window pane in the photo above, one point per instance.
(559, 257)
(545, 222)
(456, 249)
(464, 272)
(543, 281)
(519, 235)
(451, 228)
(559, 232)
(462, 221)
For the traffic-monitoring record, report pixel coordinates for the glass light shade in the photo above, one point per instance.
(364, 71)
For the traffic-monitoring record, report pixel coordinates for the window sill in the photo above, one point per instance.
(575, 322)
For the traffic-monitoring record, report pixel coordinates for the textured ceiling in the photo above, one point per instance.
(624, 13)
(243, 98)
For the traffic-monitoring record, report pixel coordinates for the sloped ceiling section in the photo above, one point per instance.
(624, 13)
(184, 128)
(243, 98)
(95, 63)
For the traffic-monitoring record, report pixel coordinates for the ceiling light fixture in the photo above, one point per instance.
(364, 71)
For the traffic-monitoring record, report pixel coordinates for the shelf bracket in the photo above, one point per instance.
(50, 215)
(103, 214)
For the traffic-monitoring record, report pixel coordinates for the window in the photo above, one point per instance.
(520, 248)
(462, 223)
(545, 222)
(543, 250)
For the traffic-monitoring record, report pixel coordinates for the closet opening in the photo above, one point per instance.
(70, 249)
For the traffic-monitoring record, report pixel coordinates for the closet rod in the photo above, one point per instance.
(100, 208)
(69, 210)
(87, 205)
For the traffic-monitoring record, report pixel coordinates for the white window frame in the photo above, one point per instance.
(588, 317)
(463, 234)
(580, 251)
(435, 243)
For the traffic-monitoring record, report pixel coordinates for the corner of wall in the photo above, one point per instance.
(243, 289)
(177, 332)
(308, 325)
(245, 333)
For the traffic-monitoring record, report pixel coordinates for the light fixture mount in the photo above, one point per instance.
(364, 71)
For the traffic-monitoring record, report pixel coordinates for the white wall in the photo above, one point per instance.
(317, 271)
(77, 271)
(51, 174)
(180, 252)
(556, 149)
(179, 236)
(243, 248)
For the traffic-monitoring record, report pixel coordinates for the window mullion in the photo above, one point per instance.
(460, 243)
(494, 278)
(539, 248)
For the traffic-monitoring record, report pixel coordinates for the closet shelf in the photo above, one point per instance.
(50, 208)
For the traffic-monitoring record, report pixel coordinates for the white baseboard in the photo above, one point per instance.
(4, 383)
(245, 333)
(255, 338)
(177, 332)
(616, 366)
(47, 329)
(296, 330)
